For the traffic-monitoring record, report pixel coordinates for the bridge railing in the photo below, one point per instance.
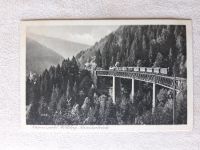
(163, 80)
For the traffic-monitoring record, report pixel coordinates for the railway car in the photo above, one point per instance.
(156, 70)
(130, 68)
(149, 70)
(119, 69)
(136, 69)
(164, 71)
(142, 69)
(133, 68)
(125, 68)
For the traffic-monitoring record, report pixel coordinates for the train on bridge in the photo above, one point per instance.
(156, 70)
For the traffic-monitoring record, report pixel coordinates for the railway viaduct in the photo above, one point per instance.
(174, 83)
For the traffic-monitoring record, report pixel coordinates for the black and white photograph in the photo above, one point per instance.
(107, 72)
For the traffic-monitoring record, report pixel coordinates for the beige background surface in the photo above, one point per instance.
(12, 11)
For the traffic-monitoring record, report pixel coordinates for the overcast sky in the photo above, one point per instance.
(80, 34)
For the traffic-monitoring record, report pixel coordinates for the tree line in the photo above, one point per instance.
(56, 88)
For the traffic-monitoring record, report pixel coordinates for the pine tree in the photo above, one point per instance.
(118, 56)
(33, 113)
(150, 57)
(28, 91)
(54, 99)
(98, 59)
(73, 71)
(68, 92)
(170, 59)
(75, 92)
(112, 61)
(75, 88)
(159, 60)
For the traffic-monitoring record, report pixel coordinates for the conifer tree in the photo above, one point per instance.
(98, 59)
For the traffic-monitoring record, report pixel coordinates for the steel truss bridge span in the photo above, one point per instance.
(174, 83)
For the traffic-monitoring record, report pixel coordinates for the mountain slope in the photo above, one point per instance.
(143, 45)
(39, 58)
(63, 47)
(85, 55)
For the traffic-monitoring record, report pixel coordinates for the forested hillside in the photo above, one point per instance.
(147, 45)
(55, 90)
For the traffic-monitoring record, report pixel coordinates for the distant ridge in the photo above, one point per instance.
(39, 57)
(62, 47)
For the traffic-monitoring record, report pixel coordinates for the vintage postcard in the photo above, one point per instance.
(107, 75)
